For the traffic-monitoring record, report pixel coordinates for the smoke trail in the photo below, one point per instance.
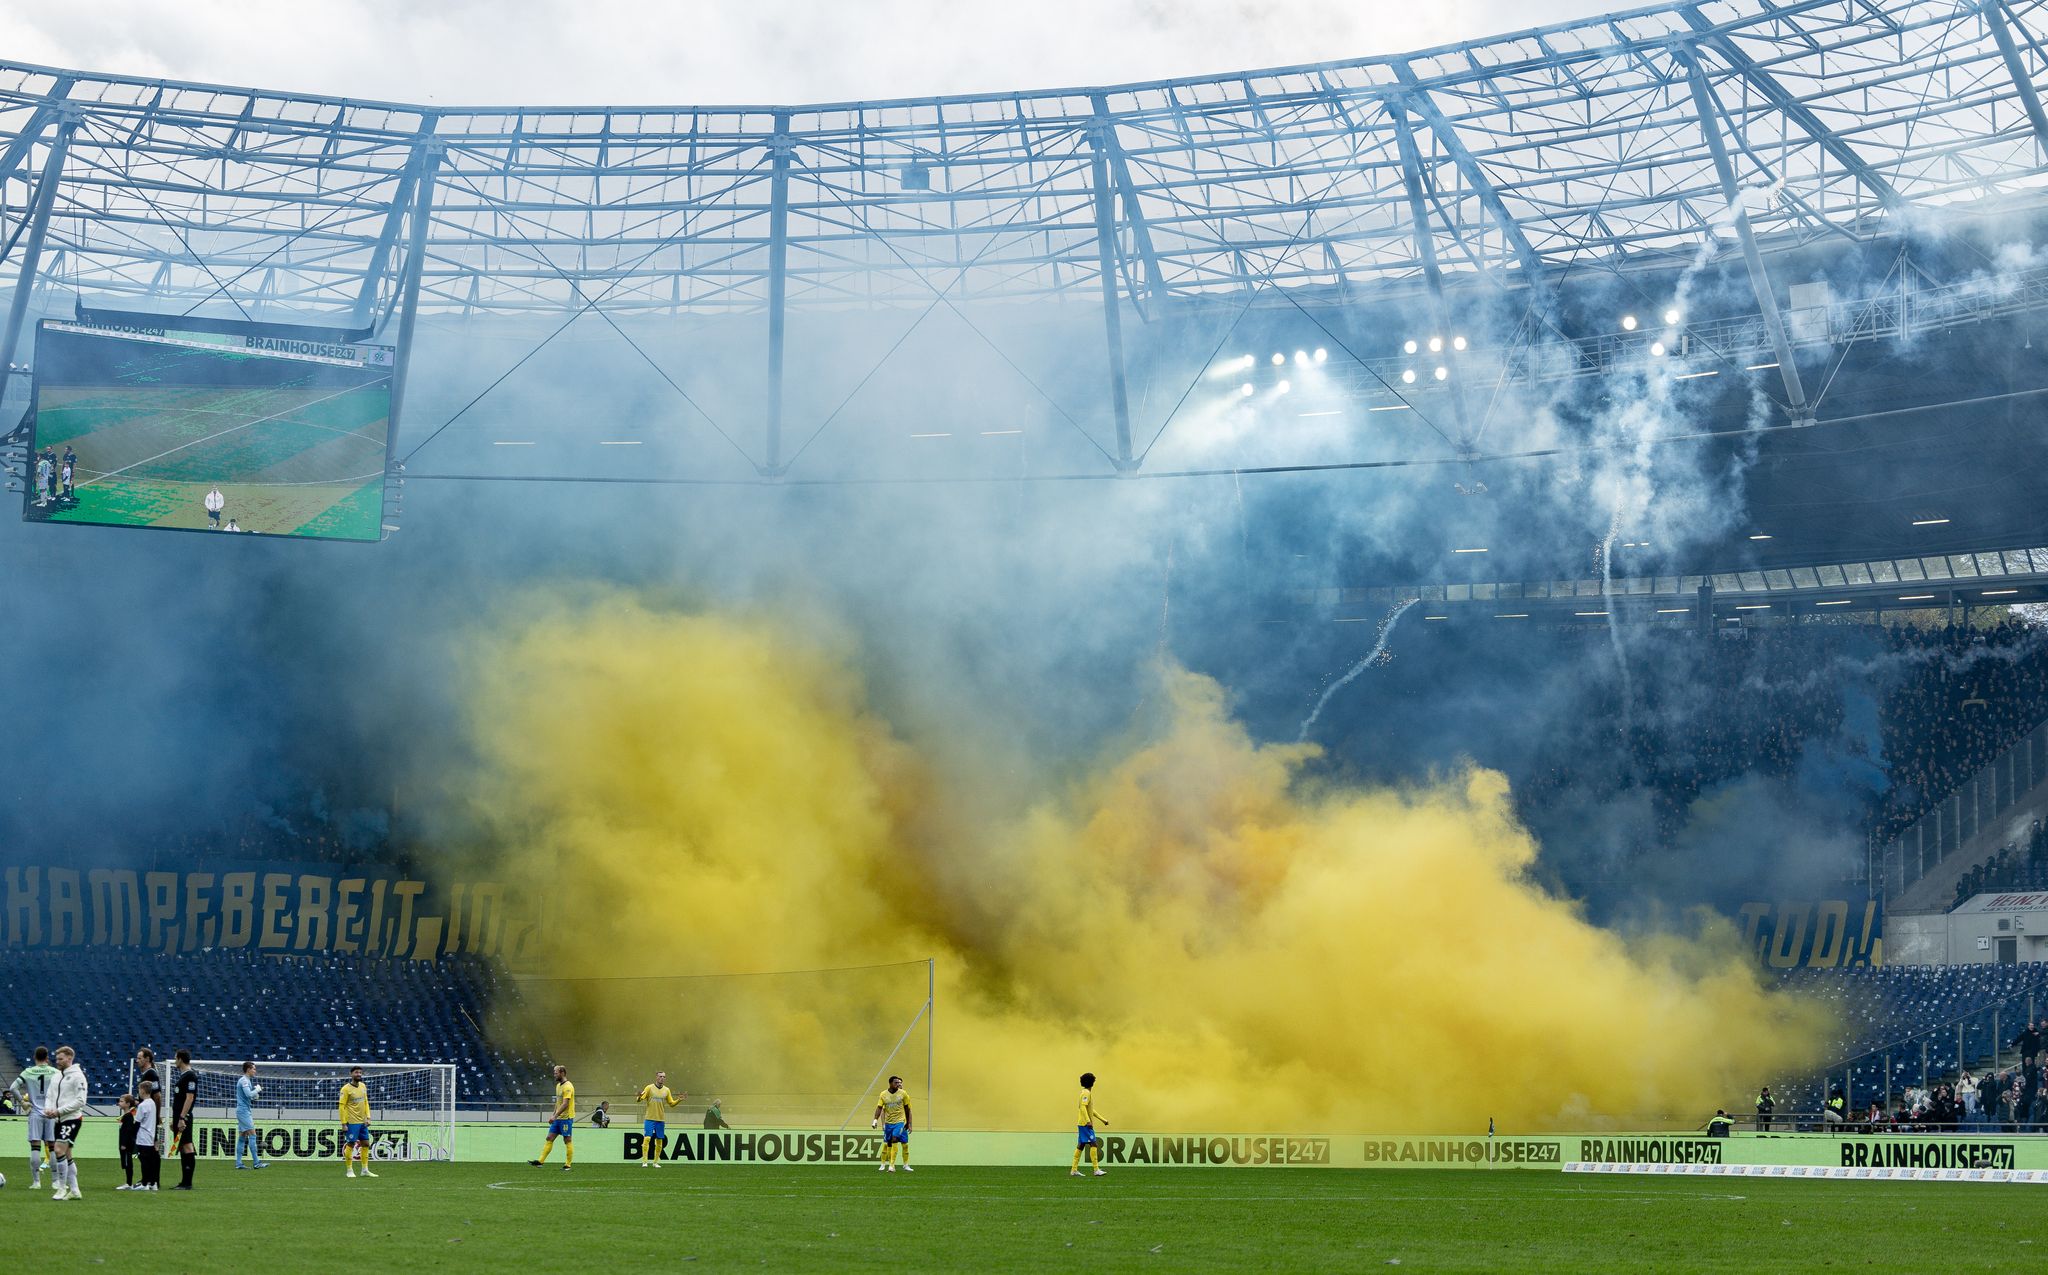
(1378, 649)
(1192, 916)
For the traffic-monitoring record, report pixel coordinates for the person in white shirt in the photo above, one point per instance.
(215, 502)
(145, 1142)
(66, 1107)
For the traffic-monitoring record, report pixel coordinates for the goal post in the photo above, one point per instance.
(412, 1105)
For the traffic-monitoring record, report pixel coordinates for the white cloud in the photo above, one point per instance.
(457, 52)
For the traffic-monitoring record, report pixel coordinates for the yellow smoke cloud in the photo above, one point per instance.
(1229, 943)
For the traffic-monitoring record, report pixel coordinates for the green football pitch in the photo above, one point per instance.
(612, 1216)
(287, 461)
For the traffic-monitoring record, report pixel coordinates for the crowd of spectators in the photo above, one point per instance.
(2020, 868)
(1907, 713)
(1962, 697)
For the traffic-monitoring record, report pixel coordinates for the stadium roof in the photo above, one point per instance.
(1638, 136)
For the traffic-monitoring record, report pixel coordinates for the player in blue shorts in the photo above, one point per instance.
(1086, 1140)
(355, 1122)
(654, 1128)
(562, 1124)
(892, 1116)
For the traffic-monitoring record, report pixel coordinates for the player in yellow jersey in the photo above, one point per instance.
(892, 1116)
(563, 1124)
(355, 1122)
(1090, 1117)
(654, 1127)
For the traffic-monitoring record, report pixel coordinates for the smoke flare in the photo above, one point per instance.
(1232, 942)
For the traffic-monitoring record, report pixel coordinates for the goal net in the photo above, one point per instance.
(412, 1107)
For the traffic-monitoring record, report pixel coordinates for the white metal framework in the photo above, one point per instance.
(1636, 138)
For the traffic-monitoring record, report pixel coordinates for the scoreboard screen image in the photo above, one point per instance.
(206, 431)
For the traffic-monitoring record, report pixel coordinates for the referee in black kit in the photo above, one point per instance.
(184, 1106)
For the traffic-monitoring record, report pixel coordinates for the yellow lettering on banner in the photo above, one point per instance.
(486, 918)
(24, 906)
(162, 891)
(273, 910)
(1830, 935)
(67, 908)
(374, 941)
(237, 909)
(116, 907)
(454, 930)
(1751, 917)
(1790, 944)
(200, 929)
(345, 912)
(428, 939)
(408, 892)
(313, 895)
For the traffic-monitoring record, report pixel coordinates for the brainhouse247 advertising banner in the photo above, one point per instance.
(1792, 1154)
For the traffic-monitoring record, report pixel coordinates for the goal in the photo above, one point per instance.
(412, 1105)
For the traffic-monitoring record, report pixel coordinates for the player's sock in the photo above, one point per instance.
(1077, 1159)
(238, 1151)
(188, 1161)
(546, 1150)
(568, 1154)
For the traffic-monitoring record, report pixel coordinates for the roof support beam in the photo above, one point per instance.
(1112, 315)
(778, 289)
(1792, 108)
(32, 249)
(1419, 101)
(409, 296)
(15, 157)
(1134, 217)
(387, 238)
(1709, 110)
(1425, 252)
(2001, 31)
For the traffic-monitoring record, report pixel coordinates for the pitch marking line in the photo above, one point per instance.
(222, 434)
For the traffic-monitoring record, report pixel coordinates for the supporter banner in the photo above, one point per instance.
(1822, 934)
(271, 908)
(507, 1143)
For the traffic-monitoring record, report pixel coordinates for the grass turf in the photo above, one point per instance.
(516, 1218)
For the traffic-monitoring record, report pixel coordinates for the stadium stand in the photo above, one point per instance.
(230, 1004)
(1708, 711)
(1969, 695)
(1921, 1023)
(2021, 867)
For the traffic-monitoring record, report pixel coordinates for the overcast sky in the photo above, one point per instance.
(746, 51)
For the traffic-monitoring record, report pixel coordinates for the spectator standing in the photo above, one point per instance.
(2029, 1041)
(714, 1118)
(1765, 1105)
